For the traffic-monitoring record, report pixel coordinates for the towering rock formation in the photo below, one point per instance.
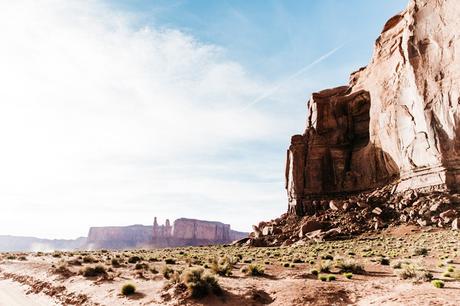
(398, 120)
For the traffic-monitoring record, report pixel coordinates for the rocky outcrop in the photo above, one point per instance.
(383, 150)
(398, 120)
(184, 232)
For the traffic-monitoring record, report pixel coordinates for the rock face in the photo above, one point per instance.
(184, 232)
(385, 149)
(398, 120)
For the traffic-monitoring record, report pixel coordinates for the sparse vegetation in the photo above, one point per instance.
(128, 289)
(255, 270)
(438, 283)
(94, 271)
(200, 284)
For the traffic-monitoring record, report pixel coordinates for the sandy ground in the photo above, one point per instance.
(20, 280)
(12, 294)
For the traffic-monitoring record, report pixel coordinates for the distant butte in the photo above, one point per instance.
(184, 232)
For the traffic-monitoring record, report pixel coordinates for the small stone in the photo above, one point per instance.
(435, 207)
(455, 225)
(268, 230)
(310, 226)
(362, 204)
(377, 211)
(422, 222)
(403, 218)
(448, 214)
(334, 205)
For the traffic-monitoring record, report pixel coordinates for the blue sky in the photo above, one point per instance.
(115, 112)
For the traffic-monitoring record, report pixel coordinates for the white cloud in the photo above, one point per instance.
(104, 123)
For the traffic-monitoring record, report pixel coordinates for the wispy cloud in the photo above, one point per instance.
(87, 97)
(291, 77)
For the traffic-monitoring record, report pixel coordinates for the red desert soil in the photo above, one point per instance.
(287, 279)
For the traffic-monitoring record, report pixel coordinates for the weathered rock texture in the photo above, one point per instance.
(384, 150)
(397, 121)
(184, 232)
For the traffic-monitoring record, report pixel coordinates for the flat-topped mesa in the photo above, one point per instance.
(184, 232)
(398, 120)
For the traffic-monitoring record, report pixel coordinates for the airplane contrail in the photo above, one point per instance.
(292, 76)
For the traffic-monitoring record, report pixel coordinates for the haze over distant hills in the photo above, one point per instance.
(183, 232)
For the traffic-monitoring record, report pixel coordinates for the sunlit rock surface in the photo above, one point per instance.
(397, 121)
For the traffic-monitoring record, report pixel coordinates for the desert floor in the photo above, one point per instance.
(396, 267)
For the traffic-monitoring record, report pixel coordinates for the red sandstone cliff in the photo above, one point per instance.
(397, 121)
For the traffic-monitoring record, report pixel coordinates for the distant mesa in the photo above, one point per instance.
(184, 232)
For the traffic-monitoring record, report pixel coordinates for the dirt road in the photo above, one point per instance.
(12, 294)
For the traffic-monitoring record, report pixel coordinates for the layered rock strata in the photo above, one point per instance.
(398, 120)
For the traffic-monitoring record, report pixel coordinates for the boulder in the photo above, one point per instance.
(455, 225)
(334, 205)
(310, 226)
(448, 214)
(268, 230)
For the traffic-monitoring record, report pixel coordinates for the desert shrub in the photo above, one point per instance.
(115, 262)
(438, 283)
(88, 259)
(348, 275)
(154, 270)
(255, 270)
(134, 259)
(170, 261)
(400, 264)
(407, 271)
(384, 261)
(200, 284)
(11, 257)
(166, 272)
(450, 269)
(331, 277)
(420, 252)
(350, 266)
(223, 266)
(94, 271)
(424, 276)
(22, 258)
(74, 262)
(128, 289)
(322, 277)
(141, 266)
(314, 272)
(446, 274)
(286, 265)
(63, 271)
(325, 266)
(327, 257)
